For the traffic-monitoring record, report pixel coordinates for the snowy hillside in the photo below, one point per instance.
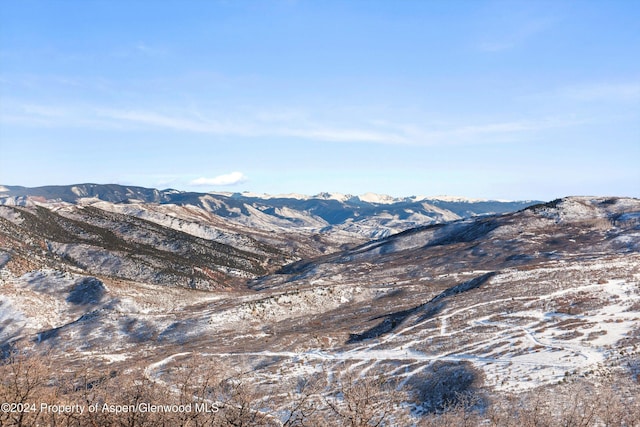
(501, 305)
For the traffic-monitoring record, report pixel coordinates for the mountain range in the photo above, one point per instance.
(207, 240)
(450, 297)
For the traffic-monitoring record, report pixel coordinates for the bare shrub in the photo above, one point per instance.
(23, 380)
(360, 401)
(446, 385)
(448, 394)
(240, 404)
(304, 404)
(464, 413)
(577, 404)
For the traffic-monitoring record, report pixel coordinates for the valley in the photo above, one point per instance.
(490, 302)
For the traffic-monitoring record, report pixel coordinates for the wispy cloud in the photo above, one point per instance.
(595, 93)
(138, 50)
(502, 39)
(512, 127)
(301, 125)
(232, 178)
(154, 119)
(373, 132)
(148, 50)
(255, 127)
(628, 91)
(51, 116)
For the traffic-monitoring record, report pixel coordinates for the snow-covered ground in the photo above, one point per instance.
(519, 342)
(517, 349)
(528, 299)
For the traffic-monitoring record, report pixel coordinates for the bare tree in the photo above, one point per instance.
(304, 405)
(364, 401)
(22, 379)
(240, 404)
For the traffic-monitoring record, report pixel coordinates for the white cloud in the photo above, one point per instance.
(232, 178)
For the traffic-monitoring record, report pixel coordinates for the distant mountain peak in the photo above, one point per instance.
(378, 198)
(267, 196)
(333, 196)
(461, 199)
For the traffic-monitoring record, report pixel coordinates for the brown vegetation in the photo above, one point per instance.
(39, 394)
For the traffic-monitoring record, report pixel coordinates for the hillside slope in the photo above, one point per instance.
(502, 304)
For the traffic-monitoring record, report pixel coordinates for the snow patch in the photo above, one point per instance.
(11, 215)
(78, 191)
(382, 199)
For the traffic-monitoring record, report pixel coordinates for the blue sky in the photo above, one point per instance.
(511, 100)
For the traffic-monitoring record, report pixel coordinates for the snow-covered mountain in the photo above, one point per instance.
(492, 306)
(358, 217)
(233, 236)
